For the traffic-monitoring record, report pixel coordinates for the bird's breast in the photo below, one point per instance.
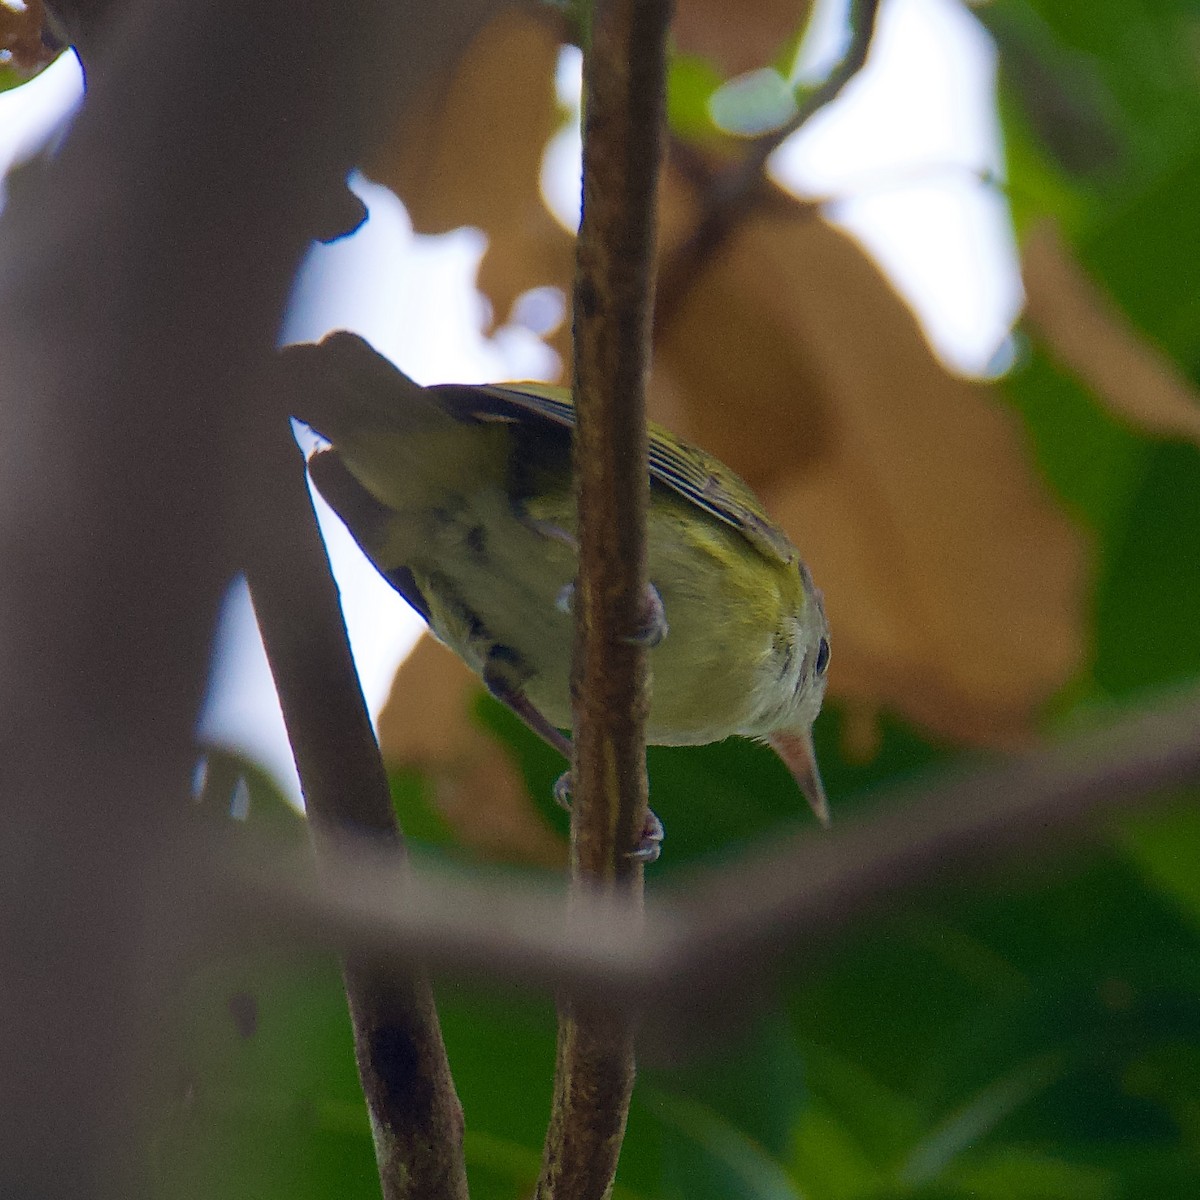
(491, 579)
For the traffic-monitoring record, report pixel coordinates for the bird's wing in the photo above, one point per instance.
(686, 470)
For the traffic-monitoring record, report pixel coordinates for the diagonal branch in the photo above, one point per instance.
(734, 192)
(625, 102)
(416, 1119)
(745, 916)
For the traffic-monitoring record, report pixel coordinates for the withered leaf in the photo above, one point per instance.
(23, 36)
(955, 586)
(1088, 335)
(737, 38)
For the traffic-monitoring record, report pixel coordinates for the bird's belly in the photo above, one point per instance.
(701, 690)
(491, 580)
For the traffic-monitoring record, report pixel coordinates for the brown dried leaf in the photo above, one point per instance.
(737, 37)
(471, 154)
(426, 723)
(729, 373)
(1088, 335)
(955, 587)
(21, 36)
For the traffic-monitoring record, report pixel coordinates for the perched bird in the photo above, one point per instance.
(461, 496)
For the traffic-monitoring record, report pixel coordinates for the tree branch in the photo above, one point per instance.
(416, 1119)
(738, 189)
(744, 916)
(624, 102)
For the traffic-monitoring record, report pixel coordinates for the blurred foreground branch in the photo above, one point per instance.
(743, 917)
(144, 269)
(416, 1118)
(728, 196)
(624, 102)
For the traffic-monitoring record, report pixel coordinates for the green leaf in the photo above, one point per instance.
(1142, 250)
(229, 786)
(691, 83)
(258, 1090)
(539, 764)
(1009, 1171)
(731, 1078)
(1107, 84)
(879, 1121)
(1011, 1013)
(418, 816)
(1165, 845)
(981, 1115)
(715, 1158)
(1094, 462)
(1147, 633)
(9, 78)
(828, 1161)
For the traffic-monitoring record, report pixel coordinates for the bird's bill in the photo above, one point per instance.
(799, 756)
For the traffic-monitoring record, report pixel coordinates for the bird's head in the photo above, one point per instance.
(792, 739)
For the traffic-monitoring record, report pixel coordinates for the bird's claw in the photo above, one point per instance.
(563, 786)
(653, 623)
(649, 846)
(653, 627)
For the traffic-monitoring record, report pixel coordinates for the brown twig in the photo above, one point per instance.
(416, 1118)
(744, 916)
(732, 193)
(624, 99)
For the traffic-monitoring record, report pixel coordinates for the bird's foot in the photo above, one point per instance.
(649, 846)
(652, 625)
(563, 787)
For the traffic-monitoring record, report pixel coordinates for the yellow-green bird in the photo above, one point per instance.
(461, 496)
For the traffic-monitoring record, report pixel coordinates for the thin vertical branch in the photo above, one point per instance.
(416, 1118)
(624, 102)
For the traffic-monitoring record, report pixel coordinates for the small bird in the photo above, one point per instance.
(461, 495)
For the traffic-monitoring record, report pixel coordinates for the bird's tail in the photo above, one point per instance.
(343, 388)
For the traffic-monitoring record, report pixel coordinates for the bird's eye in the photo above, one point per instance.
(822, 656)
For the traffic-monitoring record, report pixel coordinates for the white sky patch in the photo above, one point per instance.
(561, 180)
(903, 153)
(824, 41)
(29, 114)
